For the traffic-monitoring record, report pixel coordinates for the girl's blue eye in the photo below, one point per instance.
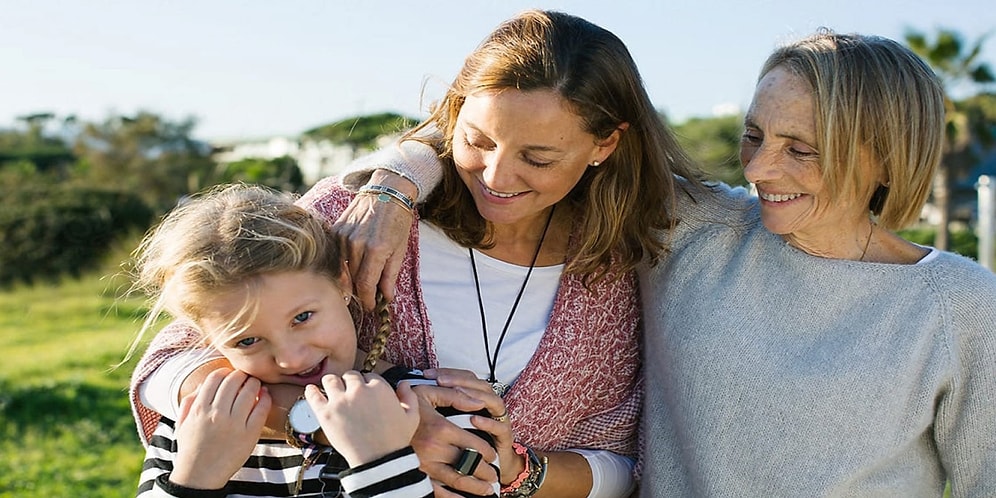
(248, 341)
(303, 317)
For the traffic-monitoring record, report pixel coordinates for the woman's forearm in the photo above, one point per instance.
(413, 161)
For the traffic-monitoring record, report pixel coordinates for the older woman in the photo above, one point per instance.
(796, 346)
(521, 265)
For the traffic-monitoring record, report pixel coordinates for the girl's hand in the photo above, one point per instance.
(218, 428)
(361, 415)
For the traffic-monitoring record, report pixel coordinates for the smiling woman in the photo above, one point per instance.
(780, 157)
(556, 172)
(516, 159)
(822, 154)
(794, 338)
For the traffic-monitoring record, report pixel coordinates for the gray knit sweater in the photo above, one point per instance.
(770, 372)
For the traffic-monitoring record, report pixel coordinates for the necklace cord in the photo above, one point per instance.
(871, 231)
(493, 361)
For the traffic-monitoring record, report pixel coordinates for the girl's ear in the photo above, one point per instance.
(345, 282)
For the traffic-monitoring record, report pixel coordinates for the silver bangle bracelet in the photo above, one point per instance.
(392, 192)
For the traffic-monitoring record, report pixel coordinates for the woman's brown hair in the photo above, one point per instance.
(624, 202)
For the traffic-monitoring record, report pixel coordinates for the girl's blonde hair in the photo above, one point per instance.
(226, 238)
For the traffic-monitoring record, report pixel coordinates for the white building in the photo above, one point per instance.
(316, 159)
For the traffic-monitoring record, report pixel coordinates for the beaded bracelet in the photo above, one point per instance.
(519, 450)
(386, 194)
(528, 482)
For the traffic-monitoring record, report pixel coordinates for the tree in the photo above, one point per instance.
(50, 230)
(362, 132)
(714, 143)
(281, 173)
(145, 153)
(956, 64)
(32, 154)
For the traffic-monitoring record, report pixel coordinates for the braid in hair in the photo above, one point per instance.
(383, 330)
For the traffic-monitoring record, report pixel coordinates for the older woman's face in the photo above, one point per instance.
(779, 156)
(521, 152)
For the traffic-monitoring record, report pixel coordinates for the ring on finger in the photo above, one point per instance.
(467, 463)
(503, 418)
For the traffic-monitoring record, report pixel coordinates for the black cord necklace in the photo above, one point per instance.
(500, 388)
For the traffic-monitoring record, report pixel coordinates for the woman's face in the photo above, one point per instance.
(521, 152)
(301, 331)
(779, 156)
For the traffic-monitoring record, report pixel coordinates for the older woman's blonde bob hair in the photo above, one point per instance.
(879, 119)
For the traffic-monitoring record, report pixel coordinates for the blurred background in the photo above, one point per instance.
(111, 111)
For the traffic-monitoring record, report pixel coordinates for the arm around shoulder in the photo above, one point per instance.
(412, 160)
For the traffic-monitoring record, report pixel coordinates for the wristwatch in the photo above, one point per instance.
(302, 418)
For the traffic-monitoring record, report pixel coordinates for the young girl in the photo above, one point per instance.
(262, 281)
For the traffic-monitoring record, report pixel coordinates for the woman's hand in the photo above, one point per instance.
(218, 428)
(439, 442)
(465, 381)
(376, 236)
(361, 415)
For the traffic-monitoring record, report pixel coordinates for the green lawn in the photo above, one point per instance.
(65, 426)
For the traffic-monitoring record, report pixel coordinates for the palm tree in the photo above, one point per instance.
(956, 64)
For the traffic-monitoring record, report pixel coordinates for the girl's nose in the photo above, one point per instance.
(291, 357)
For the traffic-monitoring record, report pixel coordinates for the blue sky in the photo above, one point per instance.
(253, 68)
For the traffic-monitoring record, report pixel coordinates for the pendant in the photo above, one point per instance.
(500, 388)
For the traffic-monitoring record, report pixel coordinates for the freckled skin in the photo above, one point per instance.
(779, 155)
(525, 143)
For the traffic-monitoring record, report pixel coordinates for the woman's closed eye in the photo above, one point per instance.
(751, 138)
(486, 145)
(803, 152)
(477, 144)
(536, 162)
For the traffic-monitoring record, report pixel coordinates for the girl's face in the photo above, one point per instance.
(521, 152)
(301, 331)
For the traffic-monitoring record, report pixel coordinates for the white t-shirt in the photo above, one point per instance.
(451, 300)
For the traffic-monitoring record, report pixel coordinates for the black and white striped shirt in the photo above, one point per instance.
(273, 467)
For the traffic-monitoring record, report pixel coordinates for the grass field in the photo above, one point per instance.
(65, 426)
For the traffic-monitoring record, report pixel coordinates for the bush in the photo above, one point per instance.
(50, 231)
(963, 242)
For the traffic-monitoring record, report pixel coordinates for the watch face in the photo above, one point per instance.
(302, 418)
